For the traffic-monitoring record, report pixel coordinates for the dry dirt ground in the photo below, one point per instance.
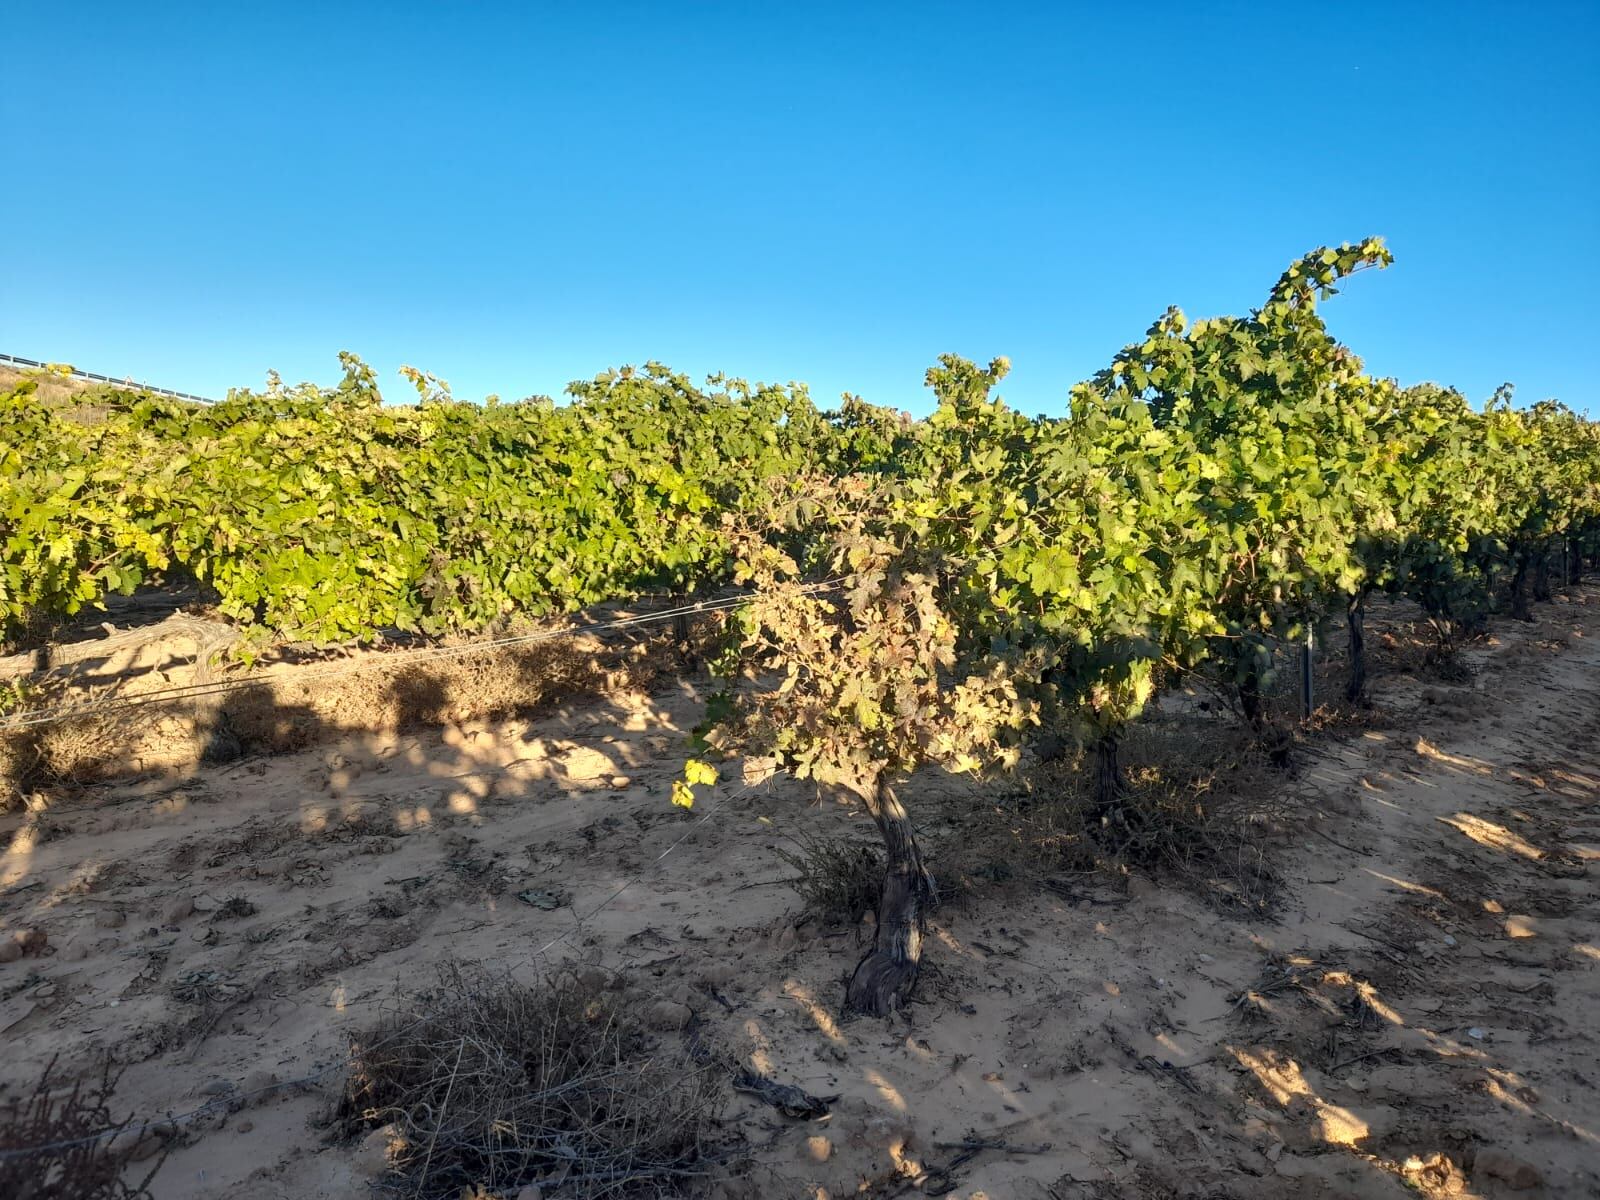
(1419, 1014)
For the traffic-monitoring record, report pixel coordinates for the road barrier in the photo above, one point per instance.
(77, 374)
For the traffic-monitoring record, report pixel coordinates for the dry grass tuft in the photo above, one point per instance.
(68, 752)
(1428, 649)
(236, 908)
(16, 757)
(839, 880)
(491, 1085)
(1203, 800)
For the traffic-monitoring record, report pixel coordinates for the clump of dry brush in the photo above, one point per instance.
(1201, 800)
(489, 1085)
(60, 1144)
(838, 879)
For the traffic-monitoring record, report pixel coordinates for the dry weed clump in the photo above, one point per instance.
(37, 629)
(74, 750)
(488, 1085)
(838, 879)
(1429, 649)
(16, 757)
(81, 1159)
(1201, 803)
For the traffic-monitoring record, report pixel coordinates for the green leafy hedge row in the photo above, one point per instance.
(1222, 485)
(325, 514)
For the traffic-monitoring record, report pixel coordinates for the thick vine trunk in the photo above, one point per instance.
(1541, 577)
(1277, 742)
(1250, 700)
(681, 632)
(1574, 561)
(1108, 781)
(884, 978)
(1519, 591)
(1355, 688)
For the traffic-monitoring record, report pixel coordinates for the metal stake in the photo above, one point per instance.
(1305, 673)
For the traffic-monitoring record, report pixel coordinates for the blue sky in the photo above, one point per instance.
(516, 195)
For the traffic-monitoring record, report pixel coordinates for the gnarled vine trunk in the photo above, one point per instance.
(1541, 576)
(1277, 742)
(681, 634)
(884, 978)
(1574, 561)
(1519, 591)
(1108, 781)
(1355, 688)
(1250, 699)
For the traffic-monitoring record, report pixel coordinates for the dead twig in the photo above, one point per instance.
(1350, 1062)
(937, 1181)
(976, 1144)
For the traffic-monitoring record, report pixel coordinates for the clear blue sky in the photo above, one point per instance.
(515, 195)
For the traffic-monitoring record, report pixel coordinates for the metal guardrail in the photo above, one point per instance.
(77, 374)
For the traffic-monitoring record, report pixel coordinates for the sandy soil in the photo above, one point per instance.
(1419, 1015)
